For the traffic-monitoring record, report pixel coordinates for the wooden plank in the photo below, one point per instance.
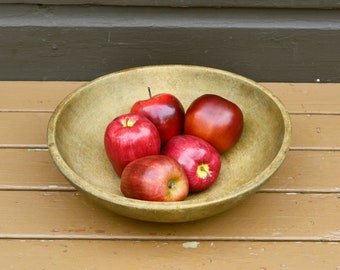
(22, 254)
(308, 97)
(30, 169)
(34, 96)
(264, 216)
(302, 171)
(309, 131)
(45, 96)
(22, 129)
(307, 171)
(316, 131)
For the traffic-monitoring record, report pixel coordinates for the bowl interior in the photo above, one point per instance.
(76, 132)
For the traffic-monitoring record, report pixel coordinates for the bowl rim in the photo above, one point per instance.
(84, 185)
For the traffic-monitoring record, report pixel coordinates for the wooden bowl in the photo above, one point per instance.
(76, 131)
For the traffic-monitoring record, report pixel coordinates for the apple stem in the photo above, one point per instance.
(149, 90)
(203, 169)
(128, 122)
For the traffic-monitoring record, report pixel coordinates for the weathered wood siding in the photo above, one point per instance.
(261, 40)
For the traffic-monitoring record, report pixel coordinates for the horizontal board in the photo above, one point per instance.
(264, 216)
(302, 171)
(316, 131)
(49, 254)
(34, 96)
(45, 96)
(30, 169)
(22, 129)
(83, 42)
(29, 128)
(307, 171)
(308, 97)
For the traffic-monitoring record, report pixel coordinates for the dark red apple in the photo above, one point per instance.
(165, 111)
(216, 120)
(155, 178)
(200, 160)
(128, 137)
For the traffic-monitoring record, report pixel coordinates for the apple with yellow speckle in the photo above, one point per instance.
(128, 137)
(155, 178)
(199, 159)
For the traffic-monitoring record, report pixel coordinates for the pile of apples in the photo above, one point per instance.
(162, 152)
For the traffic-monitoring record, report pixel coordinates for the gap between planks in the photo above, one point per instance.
(169, 238)
(263, 190)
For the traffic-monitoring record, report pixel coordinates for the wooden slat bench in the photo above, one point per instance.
(292, 222)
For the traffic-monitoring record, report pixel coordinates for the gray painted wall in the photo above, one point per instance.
(81, 42)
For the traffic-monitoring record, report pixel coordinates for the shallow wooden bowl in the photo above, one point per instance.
(76, 131)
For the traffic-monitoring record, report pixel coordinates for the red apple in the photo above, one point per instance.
(165, 111)
(216, 120)
(200, 160)
(128, 137)
(154, 178)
